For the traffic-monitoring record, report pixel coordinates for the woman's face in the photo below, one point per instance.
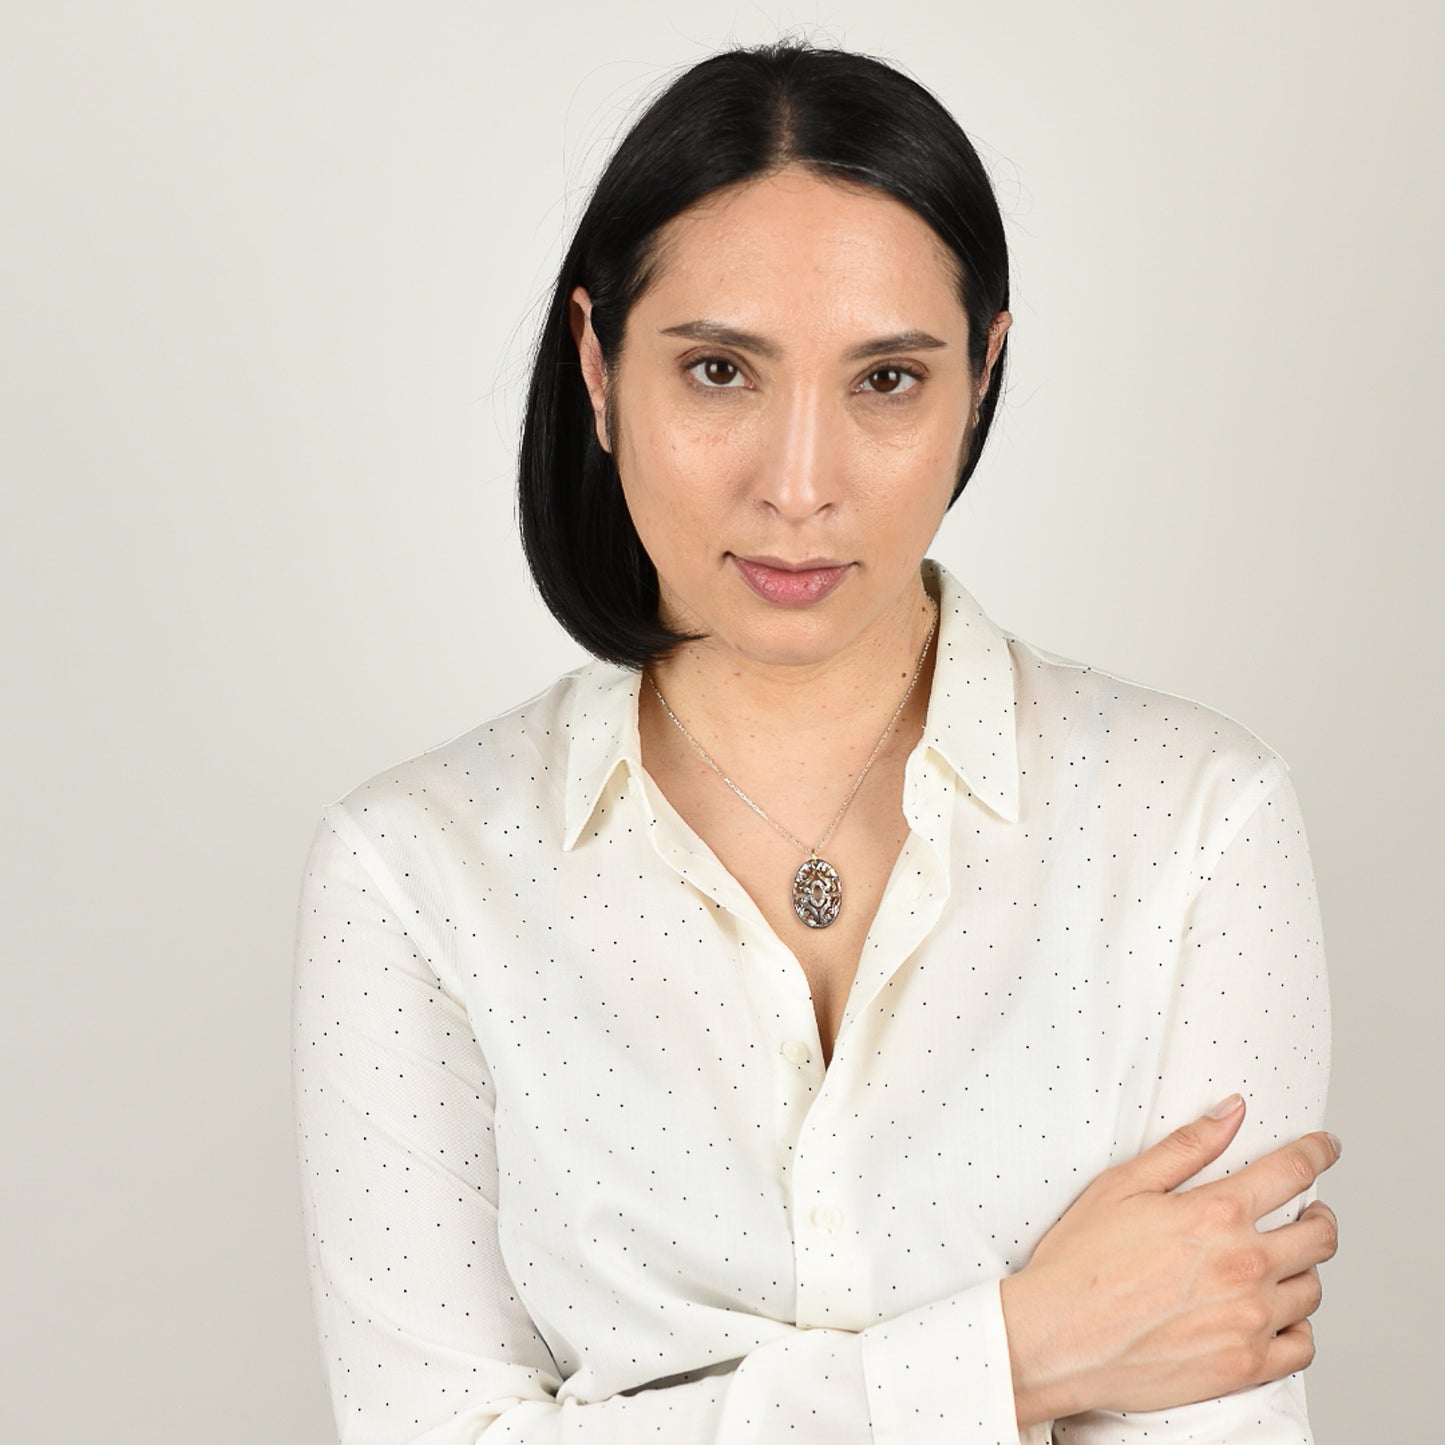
(792, 407)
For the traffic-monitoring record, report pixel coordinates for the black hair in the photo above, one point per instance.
(739, 114)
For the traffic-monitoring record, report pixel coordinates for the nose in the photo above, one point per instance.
(799, 472)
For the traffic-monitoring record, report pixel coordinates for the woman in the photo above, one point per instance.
(775, 1029)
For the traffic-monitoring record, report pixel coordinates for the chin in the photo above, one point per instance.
(784, 638)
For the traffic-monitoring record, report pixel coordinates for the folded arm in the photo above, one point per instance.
(1250, 1013)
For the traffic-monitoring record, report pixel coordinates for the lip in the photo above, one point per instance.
(791, 584)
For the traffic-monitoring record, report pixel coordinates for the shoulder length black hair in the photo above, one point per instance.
(737, 115)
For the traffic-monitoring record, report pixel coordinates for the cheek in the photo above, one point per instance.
(689, 468)
(917, 464)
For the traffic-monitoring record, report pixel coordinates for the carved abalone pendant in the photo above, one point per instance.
(817, 893)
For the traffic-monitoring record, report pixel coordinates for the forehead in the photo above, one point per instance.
(795, 243)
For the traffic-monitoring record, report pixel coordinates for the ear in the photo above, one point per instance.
(589, 353)
(997, 330)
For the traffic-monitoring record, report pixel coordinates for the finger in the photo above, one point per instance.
(1279, 1175)
(1318, 1209)
(1296, 1298)
(1290, 1350)
(1303, 1243)
(1317, 1212)
(1181, 1155)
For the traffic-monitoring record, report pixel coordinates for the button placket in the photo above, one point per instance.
(911, 905)
(797, 1080)
(832, 1268)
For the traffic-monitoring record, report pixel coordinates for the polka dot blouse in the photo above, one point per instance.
(572, 1166)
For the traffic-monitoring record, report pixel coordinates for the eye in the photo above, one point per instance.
(889, 380)
(716, 373)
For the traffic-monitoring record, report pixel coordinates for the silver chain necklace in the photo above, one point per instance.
(817, 888)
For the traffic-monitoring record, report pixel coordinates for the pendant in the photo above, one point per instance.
(817, 893)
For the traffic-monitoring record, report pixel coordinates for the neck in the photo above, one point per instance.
(825, 716)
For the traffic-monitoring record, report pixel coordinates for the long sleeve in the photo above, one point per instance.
(1250, 1011)
(423, 1334)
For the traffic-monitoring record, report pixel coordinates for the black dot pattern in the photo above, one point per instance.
(570, 1158)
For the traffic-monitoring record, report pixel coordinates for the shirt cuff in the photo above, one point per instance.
(941, 1375)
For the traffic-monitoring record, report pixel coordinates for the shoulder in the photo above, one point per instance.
(1210, 766)
(1107, 694)
(498, 765)
(1065, 706)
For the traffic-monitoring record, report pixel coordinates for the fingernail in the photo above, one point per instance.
(1335, 1143)
(1225, 1107)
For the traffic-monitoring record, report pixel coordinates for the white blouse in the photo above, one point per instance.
(572, 1167)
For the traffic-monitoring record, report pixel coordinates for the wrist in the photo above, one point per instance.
(1046, 1385)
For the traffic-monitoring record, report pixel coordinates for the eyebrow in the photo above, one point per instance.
(705, 330)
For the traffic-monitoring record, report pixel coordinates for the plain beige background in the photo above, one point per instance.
(270, 276)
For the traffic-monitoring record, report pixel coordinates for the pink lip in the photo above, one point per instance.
(791, 584)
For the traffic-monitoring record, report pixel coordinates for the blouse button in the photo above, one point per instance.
(795, 1051)
(827, 1218)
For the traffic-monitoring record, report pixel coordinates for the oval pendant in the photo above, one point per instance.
(817, 893)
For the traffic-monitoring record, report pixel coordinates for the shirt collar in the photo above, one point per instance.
(970, 722)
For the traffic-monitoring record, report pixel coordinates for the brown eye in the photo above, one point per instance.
(888, 380)
(718, 373)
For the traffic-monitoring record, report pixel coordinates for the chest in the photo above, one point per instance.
(862, 849)
(658, 1122)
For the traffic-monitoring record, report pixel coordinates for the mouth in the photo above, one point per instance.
(791, 584)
